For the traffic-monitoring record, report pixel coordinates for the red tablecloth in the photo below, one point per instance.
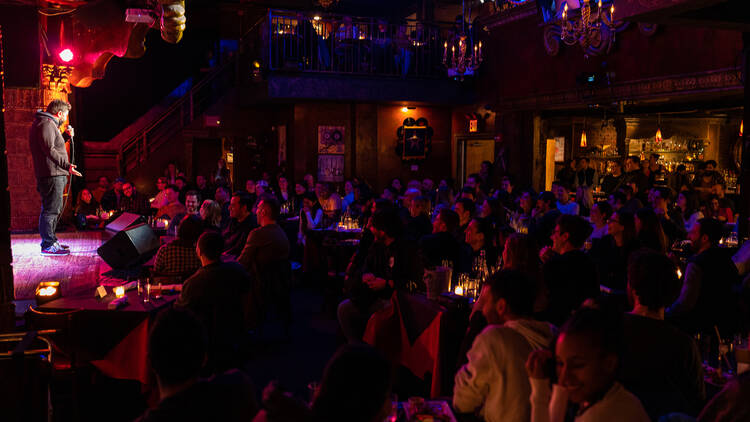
(408, 332)
(128, 360)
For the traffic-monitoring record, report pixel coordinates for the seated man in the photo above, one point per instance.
(442, 245)
(132, 201)
(567, 272)
(241, 224)
(111, 198)
(193, 202)
(494, 380)
(267, 243)
(564, 204)
(660, 364)
(178, 258)
(707, 298)
(390, 265)
(173, 207)
(176, 351)
(218, 293)
(465, 209)
(544, 218)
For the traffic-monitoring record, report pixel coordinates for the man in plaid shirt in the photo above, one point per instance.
(178, 256)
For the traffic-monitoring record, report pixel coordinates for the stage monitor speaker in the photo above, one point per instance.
(124, 221)
(129, 247)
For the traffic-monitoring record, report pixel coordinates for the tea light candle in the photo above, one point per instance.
(459, 291)
(119, 291)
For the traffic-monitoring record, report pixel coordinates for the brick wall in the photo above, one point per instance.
(20, 105)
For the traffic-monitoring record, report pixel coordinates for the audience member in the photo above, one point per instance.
(173, 207)
(111, 199)
(706, 298)
(132, 201)
(480, 238)
(611, 253)
(390, 265)
(356, 387)
(241, 224)
(687, 204)
(465, 209)
(86, 214)
(211, 215)
(660, 364)
(613, 179)
(600, 214)
(586, 361)
(568, 273)
(219, 294)
(101, 188)
(222, 197)
(494, 381)
(418, 223)
(649, 231)
(267, 243)
(544, 218)
(177, 349)
(160, 199)
(442, 245)
(178, 258)
(586, 176)
(330, 202)
(205, 190)
(193, 202)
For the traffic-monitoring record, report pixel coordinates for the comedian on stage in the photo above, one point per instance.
(51, 167)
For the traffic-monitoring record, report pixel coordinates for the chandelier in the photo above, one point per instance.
(325, 4)
(465, 56)
(587, 28)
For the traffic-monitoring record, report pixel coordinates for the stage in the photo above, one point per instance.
(78, 272)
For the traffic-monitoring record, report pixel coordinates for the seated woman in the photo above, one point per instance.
(586, 359)
(178, 258)
(310, 216)
(211, 215)
(687, 204)
(716, 211)
(86, 214)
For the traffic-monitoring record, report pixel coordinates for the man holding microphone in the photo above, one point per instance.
(51, 167)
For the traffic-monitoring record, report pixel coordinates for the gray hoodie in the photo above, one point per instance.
(47, 146)
(494, 381)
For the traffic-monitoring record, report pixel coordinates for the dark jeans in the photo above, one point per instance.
(51, 190)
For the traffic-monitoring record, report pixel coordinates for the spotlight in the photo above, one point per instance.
(47, 291)
(66, 55)
(404, 109)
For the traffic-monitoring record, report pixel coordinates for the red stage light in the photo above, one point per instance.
(66, 55)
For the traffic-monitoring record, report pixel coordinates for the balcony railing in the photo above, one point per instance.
(297, 42)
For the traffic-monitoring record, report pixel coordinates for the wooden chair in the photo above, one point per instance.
(25, 370)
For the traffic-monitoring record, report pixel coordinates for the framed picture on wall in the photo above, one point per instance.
(330, 168)
(331, 139)
(415, 142)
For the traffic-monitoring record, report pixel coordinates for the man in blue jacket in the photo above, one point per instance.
(51, 167)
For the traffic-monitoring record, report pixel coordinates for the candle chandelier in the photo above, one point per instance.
(587, 28)
(461, 56)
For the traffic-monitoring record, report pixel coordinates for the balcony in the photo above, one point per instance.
(297, 42)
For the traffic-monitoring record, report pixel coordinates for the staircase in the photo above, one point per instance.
(131, 150)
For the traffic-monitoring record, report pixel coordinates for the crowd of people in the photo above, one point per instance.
(588, 311)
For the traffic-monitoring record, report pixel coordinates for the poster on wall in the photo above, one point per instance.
(330, 168)
(559, 149)
(415, 142)
(331, 139)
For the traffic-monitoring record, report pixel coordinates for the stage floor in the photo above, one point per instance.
(78, 272)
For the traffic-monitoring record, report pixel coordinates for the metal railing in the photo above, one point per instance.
(138, 147)
(298, 42)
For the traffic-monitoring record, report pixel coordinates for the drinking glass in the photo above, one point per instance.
(147, 298)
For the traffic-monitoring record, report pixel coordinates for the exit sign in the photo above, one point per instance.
(473, 125)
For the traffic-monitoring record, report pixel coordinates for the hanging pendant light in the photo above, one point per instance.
(584, 141)
(658, 138)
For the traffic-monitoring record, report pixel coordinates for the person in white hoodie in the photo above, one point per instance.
(493, 383)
